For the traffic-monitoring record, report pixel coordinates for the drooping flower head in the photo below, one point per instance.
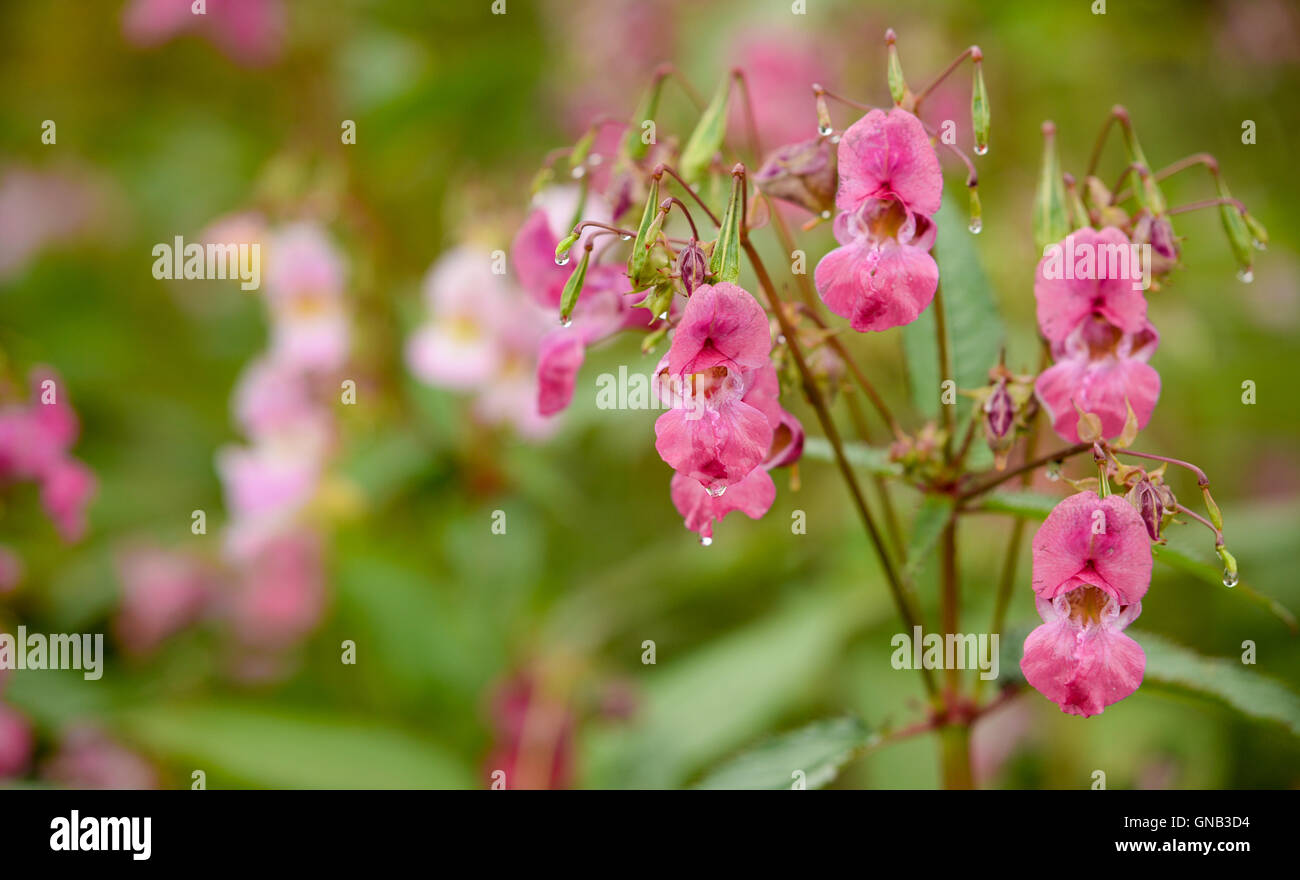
(721, 343)
(890, 186)
(1092, 566)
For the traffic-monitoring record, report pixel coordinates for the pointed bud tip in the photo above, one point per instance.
(890, 37)
(976, 55)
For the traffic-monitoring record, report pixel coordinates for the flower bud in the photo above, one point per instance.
(999, 413)
(706, 140)
(1146, 498)
(802, 174)
(1050, 222)
(573, 287)
(979, 105)
(638, 260)
(1239, 235)
(724, 263)
(692, 266)
(897, 85)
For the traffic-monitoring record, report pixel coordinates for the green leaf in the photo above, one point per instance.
(1172, 666)
(818, 751)
(278, 748)
(871, 458)
(697, 708)
(975, 330)
(707, 138)
(927, 526)
(1212, 575)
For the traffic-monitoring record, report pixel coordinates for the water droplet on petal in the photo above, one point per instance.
(705, 541)
(976, 225)
(981, 149)
(716, 491)
(1245, 276)
(562, 261)
(1230, 578)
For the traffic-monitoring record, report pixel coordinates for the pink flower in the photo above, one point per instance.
(1092, 566)
(162, 593)
(1100, 370)
(890, 185)
(752, 496)
(711, 433)
(722, 326)
(1065, 303)
(271, 397)
(16, 743)
(249, 31)
(532, 253)
(65, 492)
(888, 157)
(558, 362)
(35, 437)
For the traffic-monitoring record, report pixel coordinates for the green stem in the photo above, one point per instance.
(945, 369)
(954, 754)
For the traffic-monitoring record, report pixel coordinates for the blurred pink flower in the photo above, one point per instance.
(163, 591)
(16, 743)
(250, 32)
(280, 596)
(42, 208)
(780, 67)
(11, 570)
(87, 759)
(532, 735)
(304, 291)
(65, 493)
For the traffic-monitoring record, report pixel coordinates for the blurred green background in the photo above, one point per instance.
(764, 630)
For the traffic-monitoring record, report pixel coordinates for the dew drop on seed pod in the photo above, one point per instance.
(1259, 245)
(705, 542)
(578, 172)
(976, 225)
(663, 316)
(826, 215)
(824, 130)
(1054, 471)
(562, 261)
(1230, 578)
(625, 237)
(566, 322)
(1245, 276)
(982, 150)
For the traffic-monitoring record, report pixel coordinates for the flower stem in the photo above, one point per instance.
(905, 609)
(1059, 455)
(954, 753)
(945, 369)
